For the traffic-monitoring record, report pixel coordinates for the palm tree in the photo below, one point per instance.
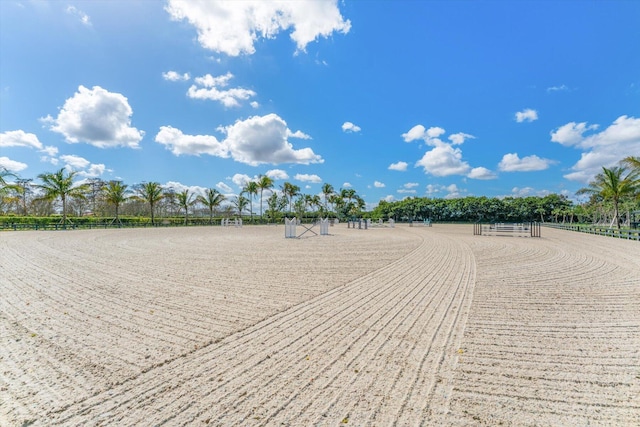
(212, 199)
(4, 173)
(60, 185)
(327, 191)
(115, 193)
(313, 202)
(614, 184)
(336, 201)
(8, 190)
(151, 192)
(632, 162)
(290, 191)
(264, 183)
(240, 203)
(185, 199)
(251, 188)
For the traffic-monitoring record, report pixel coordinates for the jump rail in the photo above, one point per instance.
(527, 229)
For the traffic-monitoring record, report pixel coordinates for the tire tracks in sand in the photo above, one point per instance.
(381, 349)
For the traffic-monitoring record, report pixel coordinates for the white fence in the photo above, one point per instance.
(227, 222)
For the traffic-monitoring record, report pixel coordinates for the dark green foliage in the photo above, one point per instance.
(475, 209)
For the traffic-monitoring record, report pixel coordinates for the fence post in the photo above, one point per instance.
(324, 227)
(290, 228)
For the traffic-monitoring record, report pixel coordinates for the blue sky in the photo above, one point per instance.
(394, 99)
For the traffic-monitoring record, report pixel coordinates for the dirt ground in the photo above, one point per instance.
(387, 326)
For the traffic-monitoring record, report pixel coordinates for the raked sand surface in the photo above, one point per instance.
(380, 327)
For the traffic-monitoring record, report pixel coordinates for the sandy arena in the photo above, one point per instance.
(380, 327)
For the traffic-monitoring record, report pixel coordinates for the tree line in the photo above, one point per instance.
(61, 192)
(614, 196)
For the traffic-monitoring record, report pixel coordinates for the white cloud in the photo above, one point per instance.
(277, 174)
(432, 189)
(434, 132)
(263, 139)
(347, 185)
(179, 187)
(406, 191)
(254, 104)
(209, 87)
(459, 138)
(11, 165)
(606, 148)
(415, 133)
(195, 145)
(571, 133)
(410, 185)
(174, 76)
(528, 115)
(97, 117)
(83, 17)
(19, 138)
(83, 166)
(232, 27)
(481, 173)
(522, 192)
(48, 159)
(379, 184)
(561, 88)
(241, 179)
(444, 160)
(76, 162)
(399, 166)
(432, 135)
(50, 150)
(95, 170)
(453, 192)
(224, 188)
(308, 178)
(350, 127)
(389, 198)
(511, 162)
(298, 134)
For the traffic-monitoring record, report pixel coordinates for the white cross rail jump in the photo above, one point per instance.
(291, 224)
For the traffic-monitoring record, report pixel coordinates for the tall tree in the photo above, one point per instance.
(212, 199)
(290, 191)
(264, 183)
(240, 203)
(60, 185)
(115, 193)
(327, 191)
(614, 184)
(185, 199)
(276, 204)
(94, 189)
(151, 192)
(24, 185)
(251, 188)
